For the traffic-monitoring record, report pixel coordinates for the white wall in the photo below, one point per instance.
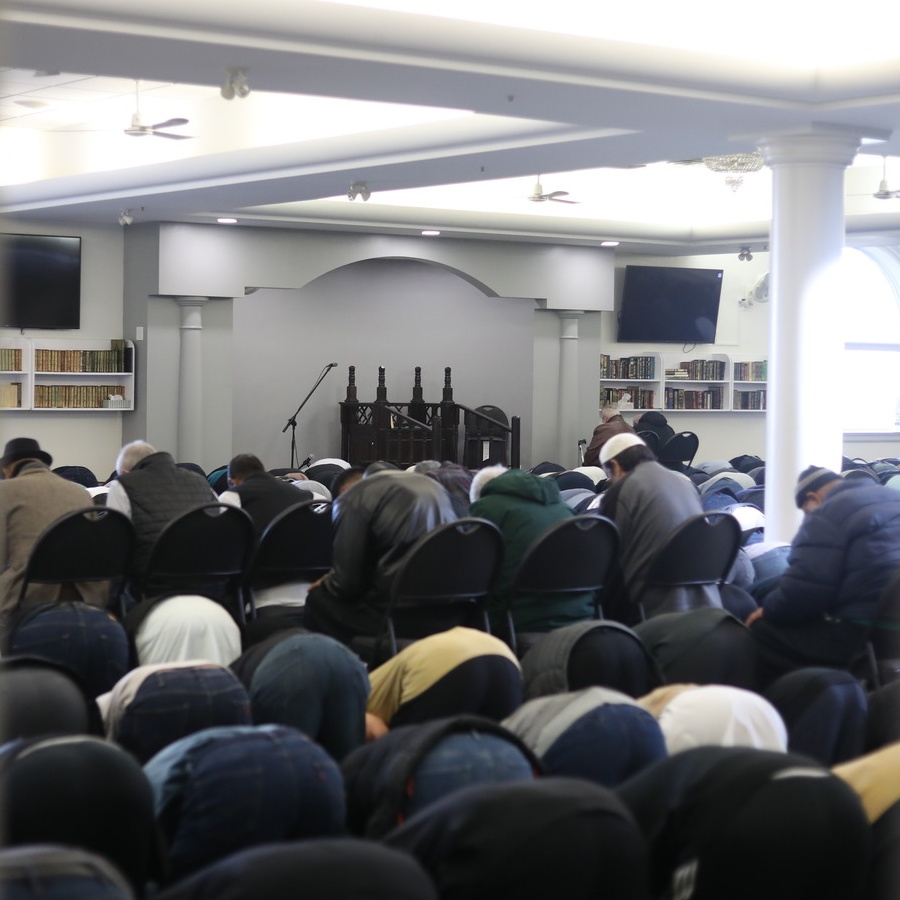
(86, 439)
(393, 313)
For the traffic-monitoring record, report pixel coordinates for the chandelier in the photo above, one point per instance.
(734, 166)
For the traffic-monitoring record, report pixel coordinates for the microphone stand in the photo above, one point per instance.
(292, 421)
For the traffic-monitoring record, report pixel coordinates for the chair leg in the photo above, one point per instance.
(873, 666)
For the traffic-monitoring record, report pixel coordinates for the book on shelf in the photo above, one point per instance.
(116, 359)
(750, 399)
(11, 395)
(10, 359)
(642, 367)
(676, 374)
(78, 396)
(631, 397)
(704, 369)
(711, 398)
(751, 371)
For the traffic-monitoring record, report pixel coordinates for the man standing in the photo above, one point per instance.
(611, 424)
(31, 498)
(377, 521)
(843, 556)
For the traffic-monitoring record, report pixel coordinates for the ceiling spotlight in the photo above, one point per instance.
(609, 243)
(745, 254)
(226, 220)
(125, 217)
(359, 189)
(430, 232)
(236, 85)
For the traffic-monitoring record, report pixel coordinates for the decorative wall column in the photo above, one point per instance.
(567, 400)
(190, 379)
(806, 243)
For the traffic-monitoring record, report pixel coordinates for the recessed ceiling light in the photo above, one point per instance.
(609, 243)
(430, 232)
(226, 220)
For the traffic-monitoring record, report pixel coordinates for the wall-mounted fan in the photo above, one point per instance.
(139, 129)
(538, 195)
(759, 293)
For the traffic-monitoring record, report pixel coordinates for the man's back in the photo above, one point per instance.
(650, 504)
(263, 496)
(30, 502)
(153, 493)
(377, 521)
(842, 557)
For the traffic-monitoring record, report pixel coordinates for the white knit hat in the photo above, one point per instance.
(616, 444)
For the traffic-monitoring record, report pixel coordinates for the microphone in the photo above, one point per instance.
(331, 365)
(306, 461)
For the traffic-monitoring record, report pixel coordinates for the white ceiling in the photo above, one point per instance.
(448, 122)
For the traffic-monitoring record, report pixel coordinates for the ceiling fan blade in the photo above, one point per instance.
(171, 136)
(169, 123)
(560, 199)
(554, 194)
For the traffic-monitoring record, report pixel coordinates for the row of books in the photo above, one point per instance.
(749, 400)
(11, 395)
(704, 369)
(112, 360)
(711, 398)
(751, 371)
(628, 398)
(10, 359)
(77, 396)
(627, 367)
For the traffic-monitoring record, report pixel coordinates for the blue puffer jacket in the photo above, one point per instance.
(842, 557)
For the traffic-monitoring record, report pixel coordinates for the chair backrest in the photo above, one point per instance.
(679, 450)
(90, 544)
(296, 544)
(651, 439)
(449, 570)
(571, 556)
(701, 550)
(209, 544)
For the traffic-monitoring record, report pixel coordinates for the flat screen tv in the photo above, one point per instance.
(669, 305)
(41, 281)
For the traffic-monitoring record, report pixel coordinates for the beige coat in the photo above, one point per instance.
(28, 504)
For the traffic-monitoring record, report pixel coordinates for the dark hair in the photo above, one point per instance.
(243, 465)
(631, 457)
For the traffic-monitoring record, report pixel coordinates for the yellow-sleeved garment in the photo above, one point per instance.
(417, 667)
(876, 778)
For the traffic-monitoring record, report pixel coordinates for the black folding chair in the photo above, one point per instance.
(651, 439)
(700, 552)
(203, 551)
(90, 544)
(443, 580)
(573, 556)
(295, 546)
(678, 451)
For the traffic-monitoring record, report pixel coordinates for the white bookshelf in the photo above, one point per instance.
(707, 385)
(69, 375)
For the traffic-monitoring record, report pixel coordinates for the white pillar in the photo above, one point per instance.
(805, 343)
(567, 427)
(190, 380)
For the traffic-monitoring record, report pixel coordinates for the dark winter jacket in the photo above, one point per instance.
(841, 559)
(380, 776)
(524, 506)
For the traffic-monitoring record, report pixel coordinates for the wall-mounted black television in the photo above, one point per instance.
(669, 305)
(41, 281)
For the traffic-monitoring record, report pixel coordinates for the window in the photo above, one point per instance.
(871, 366)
